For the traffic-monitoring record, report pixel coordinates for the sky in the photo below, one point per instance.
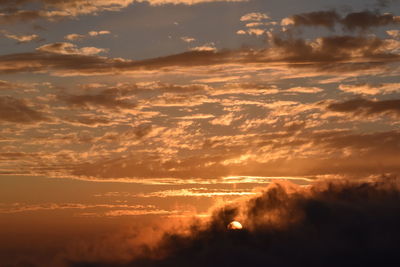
(120, 114)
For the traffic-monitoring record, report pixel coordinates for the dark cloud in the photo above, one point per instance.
(334, 224)
(20, 16)
(17, 111)
(22, 11)
(366, 19)
(385, 3)
(319, 18)
(331, 49)
(142, 130)
(88, 120)
(79, 64)
(367, 107)
(357, 20)
(105, 100)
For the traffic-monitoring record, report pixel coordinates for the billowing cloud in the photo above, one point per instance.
(366, 19)
(316, 226)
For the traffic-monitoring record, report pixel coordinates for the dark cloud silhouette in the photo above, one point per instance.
(367, 107)
(334, 224)
(17, 111)
(367, 19)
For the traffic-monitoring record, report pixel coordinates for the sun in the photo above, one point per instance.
(235, 225)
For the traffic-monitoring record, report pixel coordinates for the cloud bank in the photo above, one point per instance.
(331, 224)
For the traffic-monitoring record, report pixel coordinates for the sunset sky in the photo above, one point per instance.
(117, 113)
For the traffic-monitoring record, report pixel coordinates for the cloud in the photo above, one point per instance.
(393, 33)
(209, 47)
(88, 120)
(17, 111)
(331, 53)
(384, 3)
(331, 49)
(255, 16)
(188, 39)
(304, 90)
(318, 18)
(287, 153)
(97, 33)
(367, 107)
(6, 85)
(357, 20)
(67, 59)
(76, 36)
(22, 38)
(19, 16)
(20, 207)
(366, 19)
(370, 89)
(22, 11)
(330, 224)
(253, 31)
(195, 192)
(70, 49)
(105, 99)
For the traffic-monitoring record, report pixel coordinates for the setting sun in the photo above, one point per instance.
(235, 225)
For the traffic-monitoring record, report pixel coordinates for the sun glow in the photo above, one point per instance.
(235, 225)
